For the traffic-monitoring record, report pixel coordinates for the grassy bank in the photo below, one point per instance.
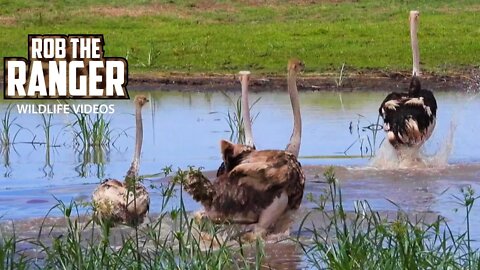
(227, 36)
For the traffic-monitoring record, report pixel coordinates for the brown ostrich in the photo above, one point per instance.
(257, 187)
(125, 202)
(246, 120)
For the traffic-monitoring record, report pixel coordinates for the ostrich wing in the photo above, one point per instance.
(391, 102)
(263, 170)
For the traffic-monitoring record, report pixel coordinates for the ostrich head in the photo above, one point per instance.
(415, 86)
(232, 153)
(141, 100)
(414, 14)
(296, 65)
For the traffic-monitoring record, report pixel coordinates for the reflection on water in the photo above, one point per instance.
(368, 137)
(48, 167)
(6, 161)
(92, 161)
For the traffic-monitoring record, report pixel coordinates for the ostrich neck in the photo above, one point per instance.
(133, 170)
(294, 145)
(414, 41)
(246, 113)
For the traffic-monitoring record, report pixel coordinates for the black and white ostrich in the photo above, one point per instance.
(409, 118)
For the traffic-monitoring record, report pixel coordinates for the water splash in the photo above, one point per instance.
(440, 158)
(388, 158)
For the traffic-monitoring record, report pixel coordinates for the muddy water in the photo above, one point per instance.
(183, 129)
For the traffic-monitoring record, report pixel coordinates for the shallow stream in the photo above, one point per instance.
(184, 128)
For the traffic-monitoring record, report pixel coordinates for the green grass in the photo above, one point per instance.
(368, 240)
(227, 36)
(359, 239)
(10, 258)
(169, 242)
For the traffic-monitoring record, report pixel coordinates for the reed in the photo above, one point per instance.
(340, 80)
(92, 130)
(174, 240)
(365, 239)
(46, 127)
(8, 135)
(234, 118)
(366, 133)
(10, 257)
(358, 239)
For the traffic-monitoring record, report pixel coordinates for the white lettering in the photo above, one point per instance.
(95, 48)
(60, 48)
(74, 43)
(73, 78)
(36, 48)
(57, 78)
(48, 48)
(94, 78)
(16, 84)
(85, 48)
(36, 75)
(112, 83)
(24, 108)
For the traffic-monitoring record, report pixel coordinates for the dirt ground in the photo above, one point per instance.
(358, 81)
(370, 80)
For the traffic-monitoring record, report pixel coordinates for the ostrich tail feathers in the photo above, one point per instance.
(200, 188)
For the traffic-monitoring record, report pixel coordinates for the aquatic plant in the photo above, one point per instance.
(358, 239)
(7, 137)
(93, 138)
(174, 240)
(92, 130)
(340, 79)
(366, 136)
(365, 239)
(234, 118)
(466, 202)
(46, 125)
(235, 123)
(10, 257)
